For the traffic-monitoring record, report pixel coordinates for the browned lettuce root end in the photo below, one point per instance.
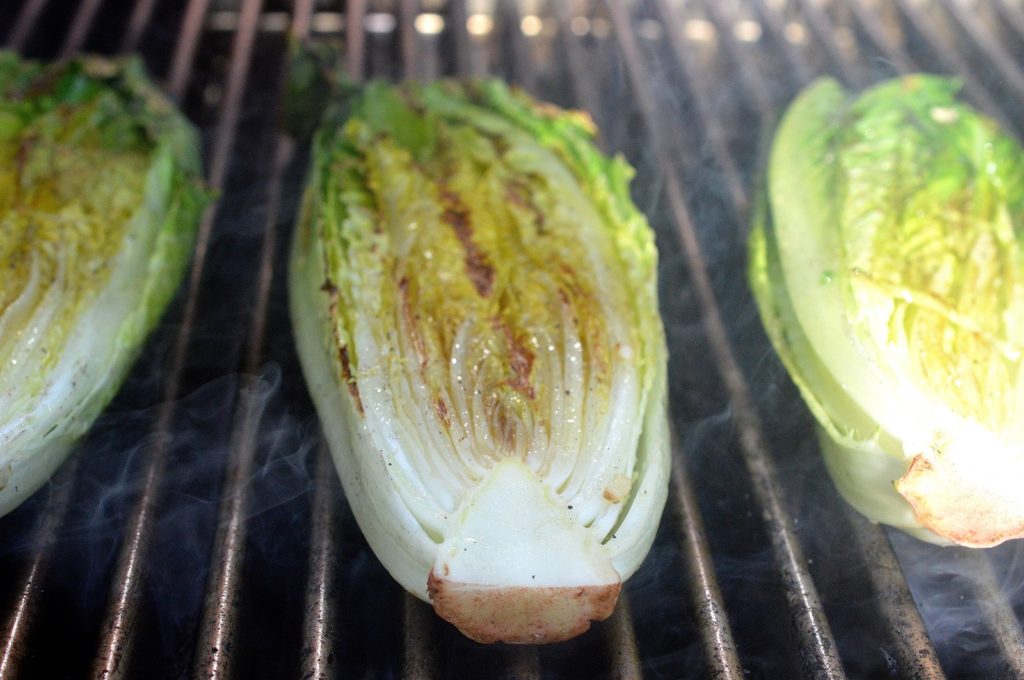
(521, 614)
(965, 512)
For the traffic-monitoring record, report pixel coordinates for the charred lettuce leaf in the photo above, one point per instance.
(100, 195)
(474, 300)
(887, 265)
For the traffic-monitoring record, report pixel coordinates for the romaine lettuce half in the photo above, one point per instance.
(887, 265)
(474, 300)
(100, 196)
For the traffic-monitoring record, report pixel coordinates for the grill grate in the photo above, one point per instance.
(222, 546)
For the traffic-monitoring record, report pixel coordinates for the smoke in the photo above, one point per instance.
(107, 487)
(970, 601)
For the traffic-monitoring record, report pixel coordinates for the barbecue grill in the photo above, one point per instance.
(200, 530)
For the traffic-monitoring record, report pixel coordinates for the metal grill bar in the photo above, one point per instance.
(817, 647)
(584, 92)
(916, 654)
(996, 54)
(355, 36)
(796, 63)
(952, 63)
(715, 134)
(752, 83)
(996, 611)
(1013, 16)
(141, 14)
(185, 51)
(521, 67)
(522, 663)
(407, 36)
(318, 660)
(625, 654)
(850, 70)
(111, 660)
(25, 23)
(80, 27)
(420, 662)
(460, 37)
(14, 641)
(716, 634)
(220, 609)
(877, 34)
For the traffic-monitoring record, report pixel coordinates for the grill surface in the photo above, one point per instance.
(200, 529)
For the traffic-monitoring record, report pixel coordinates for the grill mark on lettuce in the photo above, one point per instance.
(520, 361)
(350, 381)
(442, 413)
(518, 194)
(411, 321)
(478, 266)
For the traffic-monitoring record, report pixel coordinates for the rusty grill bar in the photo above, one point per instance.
(746, 577)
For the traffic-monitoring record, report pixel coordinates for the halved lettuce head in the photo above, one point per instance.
(888, 267)
(474, 300)
(100, 195)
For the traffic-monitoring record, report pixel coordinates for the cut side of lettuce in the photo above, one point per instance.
(886, 262)
(474, 301)
(100, 196)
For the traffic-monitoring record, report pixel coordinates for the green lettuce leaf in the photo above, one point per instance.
(100, 196)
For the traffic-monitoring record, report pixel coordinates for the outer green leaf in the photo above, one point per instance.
(99, 200)
(887, 268)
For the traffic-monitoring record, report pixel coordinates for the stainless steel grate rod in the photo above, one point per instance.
(15, 636)
(80, 27)
(321, 609)
(954, 64)
(1001, 60)
(137, 24)
(818, 649)
(1012, 13)
(877, 34)
(995, 608)
(119, 622)
(712, 617)
(851, 70)
(624, 652)
(914, 646)
(916, 650)
(25, 24)
(185, 49)
(996, 611)
(752, 83)
(916, 654)
(797, 63)
(420, 643)
(218, 622)
(714, 134)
